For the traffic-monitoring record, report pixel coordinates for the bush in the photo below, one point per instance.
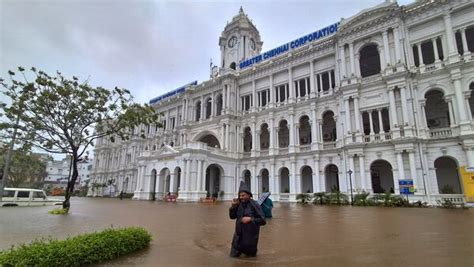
(79, 250)
(127, 195)
(363, 199)
(320, 198)
(303, 198)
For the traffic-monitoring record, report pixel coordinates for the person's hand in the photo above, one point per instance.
(235, 202)
(246, 220)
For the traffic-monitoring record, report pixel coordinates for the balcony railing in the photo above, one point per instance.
(304, 148)
(329, 145)
(283, 150)
(441, 132)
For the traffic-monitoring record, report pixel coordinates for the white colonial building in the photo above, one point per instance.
(383, 96)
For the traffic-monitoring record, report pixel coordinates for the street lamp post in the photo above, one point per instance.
(350, 183)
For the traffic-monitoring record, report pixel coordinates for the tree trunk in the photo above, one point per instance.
(71, 182)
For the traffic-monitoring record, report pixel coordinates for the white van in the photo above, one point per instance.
(26, 197)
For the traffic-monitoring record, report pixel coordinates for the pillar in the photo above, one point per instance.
(342, 57)
(291, 125)
(397, 45)
(351, 56)
(466, 51)
(316, 185)
(311, 80)
(452, 51)
(386, 48)
(348, 116)
(363, 183)
(411, 158)
(351, 167)
(393, 108)
(401, 170)
(420, 56)
(371, 124)
(291, 86)
(459, 99)
(357, 114)
(406, 120)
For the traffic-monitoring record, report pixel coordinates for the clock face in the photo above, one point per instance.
(252, 43)
(233, 41)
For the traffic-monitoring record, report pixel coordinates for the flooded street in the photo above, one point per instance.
(190, 234)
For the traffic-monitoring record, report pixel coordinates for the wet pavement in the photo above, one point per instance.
(191, 234)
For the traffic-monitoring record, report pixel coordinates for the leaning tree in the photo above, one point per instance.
(64, 115)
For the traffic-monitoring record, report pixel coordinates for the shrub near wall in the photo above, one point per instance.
(79, 250)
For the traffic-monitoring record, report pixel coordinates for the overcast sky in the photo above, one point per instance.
(149, 47)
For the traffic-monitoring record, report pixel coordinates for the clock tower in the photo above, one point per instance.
(239, 40)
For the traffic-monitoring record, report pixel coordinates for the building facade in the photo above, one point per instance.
(58, 172)
(383, 96)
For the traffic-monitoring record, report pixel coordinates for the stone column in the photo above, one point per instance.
(379, 114)
(314, 127)
(393, 108)
(254, 182)
(450, 39)
(411, 158)
(371, 125)
(320, 122)
(435, 48)
(185, 175)
(316, 185)
(343, 63)
(254, 97)
(271, 92)
(348, 116)
(420, 56)
(199, 175)
(312, 80)
(227, 139)
(363, 183)
(291, 147)
(406, 119)
(459, 99)
(470, 156)
(272, 135)
(357, 114)
(451, 111)
(291, 96)
(466, 53)
(352, 177)
(397, 45)
(383, 64)
(386, 48)
(467, 95)
(271, 178)
(254, 139)
(293, 189)
(351, 56)
(401, 169)
(423, 113)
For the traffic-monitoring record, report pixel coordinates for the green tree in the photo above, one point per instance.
(25, 167)
(63, 115)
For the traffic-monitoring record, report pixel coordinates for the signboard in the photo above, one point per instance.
(467, 176)
(172, 93)
(314, 36)
(406, 187)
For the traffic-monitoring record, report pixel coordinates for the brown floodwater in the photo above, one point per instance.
(192, 234)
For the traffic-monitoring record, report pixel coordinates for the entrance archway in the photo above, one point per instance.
(307, 180)
(381, 173)
(284, 180)
(331, 173)
(213, 180)
(264, 181)
(447, 175)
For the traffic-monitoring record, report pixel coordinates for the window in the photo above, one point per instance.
(369, 62)
(302, 87)
(198, 110)
(23, 194)
(163, 123)
(8, 193)
(39, 195)
(470, 39)
(282, 93)
(173, 122)
(427, 52)
(263, 97)
(246, 102)
(325, 81)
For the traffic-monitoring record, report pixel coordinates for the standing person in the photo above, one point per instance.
(249, 217)
(267, 207)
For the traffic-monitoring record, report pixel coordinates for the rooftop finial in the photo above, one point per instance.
(241, 10)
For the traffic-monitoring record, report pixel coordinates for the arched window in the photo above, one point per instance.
(208, 108)
(233, 65)
(382, 176)
(247, 139)
(305, 131)
(264, 137)
(198, 110)
(447, 176)
(437, 110)
(369, 60)
(219, 105)
(283, 134)
(329, 127)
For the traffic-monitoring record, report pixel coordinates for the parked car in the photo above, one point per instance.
(27, 197)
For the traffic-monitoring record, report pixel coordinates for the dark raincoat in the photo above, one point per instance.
(245, 238)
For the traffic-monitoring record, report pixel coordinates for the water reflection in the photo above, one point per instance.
(189, 234)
